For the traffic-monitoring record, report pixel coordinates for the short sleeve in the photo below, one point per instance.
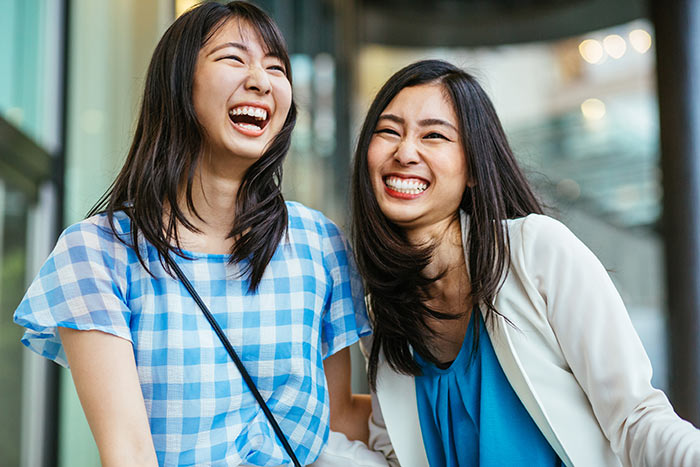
(345, 316)
(80, 286)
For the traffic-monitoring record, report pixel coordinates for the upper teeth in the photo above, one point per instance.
(256, 112)
(406, 185)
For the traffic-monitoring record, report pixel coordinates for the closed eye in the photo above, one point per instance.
(235, 58)
(436, 135)
(279, 68)
(387, 131)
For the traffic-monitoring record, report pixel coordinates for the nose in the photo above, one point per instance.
(257, 80)
(406, 153)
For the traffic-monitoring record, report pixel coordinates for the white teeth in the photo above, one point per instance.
(255, 112)
(249, 126)
(410, 186)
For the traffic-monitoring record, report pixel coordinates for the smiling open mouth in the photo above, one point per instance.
(409, 186)
(249, 118)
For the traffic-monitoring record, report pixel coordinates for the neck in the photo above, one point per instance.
(450, 292)
(214, 194)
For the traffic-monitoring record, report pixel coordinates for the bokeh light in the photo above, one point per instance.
(591, 50)
(593, 109)
(640, 40)
(182, 6)
(615, 45)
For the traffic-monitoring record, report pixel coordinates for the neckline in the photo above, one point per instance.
(123, 215)
(199, 255)
(465, 353)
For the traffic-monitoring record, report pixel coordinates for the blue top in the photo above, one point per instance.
(308, 306)
(470, 415)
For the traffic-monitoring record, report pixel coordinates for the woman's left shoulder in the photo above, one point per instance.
(536, 238)
(539, 229)
(305, 218)
(537, 224)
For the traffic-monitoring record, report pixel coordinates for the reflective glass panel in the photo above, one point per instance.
(13, 261)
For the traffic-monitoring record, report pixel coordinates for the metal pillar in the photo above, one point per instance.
(677, 26)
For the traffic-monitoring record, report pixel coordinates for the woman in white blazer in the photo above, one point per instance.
(499, 338)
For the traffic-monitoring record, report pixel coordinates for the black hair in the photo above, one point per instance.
(167, 147)
(392, 267)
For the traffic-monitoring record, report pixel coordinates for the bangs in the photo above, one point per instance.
(268, 33)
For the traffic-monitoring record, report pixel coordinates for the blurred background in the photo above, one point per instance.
(597, 97)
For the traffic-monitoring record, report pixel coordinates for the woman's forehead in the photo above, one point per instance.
(236, 30)
(423, 98)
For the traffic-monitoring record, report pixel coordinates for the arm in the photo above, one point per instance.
(349, 412)
(603, 350)
(104, 372)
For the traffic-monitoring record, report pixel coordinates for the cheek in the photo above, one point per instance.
(283, 98)
(197, 98)
(202, 111)
(451, 168)
(374, 163)
(204, 98)
(460, 170)
(459, 180)
(374, 157)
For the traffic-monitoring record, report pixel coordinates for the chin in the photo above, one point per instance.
(249, 151)
(400, 217)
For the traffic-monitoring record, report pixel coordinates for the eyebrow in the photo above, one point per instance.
(424, 122)
(236, 45)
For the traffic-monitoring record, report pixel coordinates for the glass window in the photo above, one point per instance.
(30, 57)
(13, 263)
(31, 47)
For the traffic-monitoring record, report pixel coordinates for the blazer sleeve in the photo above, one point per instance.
(378, 435)
(603, 350)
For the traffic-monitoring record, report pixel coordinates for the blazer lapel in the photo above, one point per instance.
(499, 333)
(505, 352)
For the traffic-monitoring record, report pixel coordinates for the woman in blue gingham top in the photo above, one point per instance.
(309, 305)
(201, 187)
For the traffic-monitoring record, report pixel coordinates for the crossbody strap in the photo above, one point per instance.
(234, 356)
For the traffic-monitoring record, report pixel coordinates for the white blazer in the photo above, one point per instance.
(572, 357)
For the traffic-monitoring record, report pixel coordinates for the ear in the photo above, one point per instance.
(471, 183)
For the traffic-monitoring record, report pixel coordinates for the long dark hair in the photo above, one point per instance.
(167, 147)
(391, 266)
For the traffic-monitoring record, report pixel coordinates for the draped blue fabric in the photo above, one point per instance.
(470, 415)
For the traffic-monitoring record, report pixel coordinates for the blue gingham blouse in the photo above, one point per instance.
(308, 306)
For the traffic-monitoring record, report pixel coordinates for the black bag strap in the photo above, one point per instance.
(234, 356)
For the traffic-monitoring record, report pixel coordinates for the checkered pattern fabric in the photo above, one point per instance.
(308, 306)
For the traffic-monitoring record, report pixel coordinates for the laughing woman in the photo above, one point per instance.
(199, 195)
(498, 337)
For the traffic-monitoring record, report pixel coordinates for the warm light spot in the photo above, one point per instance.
(615, 45)
(640, 40)
(569, 189)
(182, 6)
(593, 109)
(591, 50)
